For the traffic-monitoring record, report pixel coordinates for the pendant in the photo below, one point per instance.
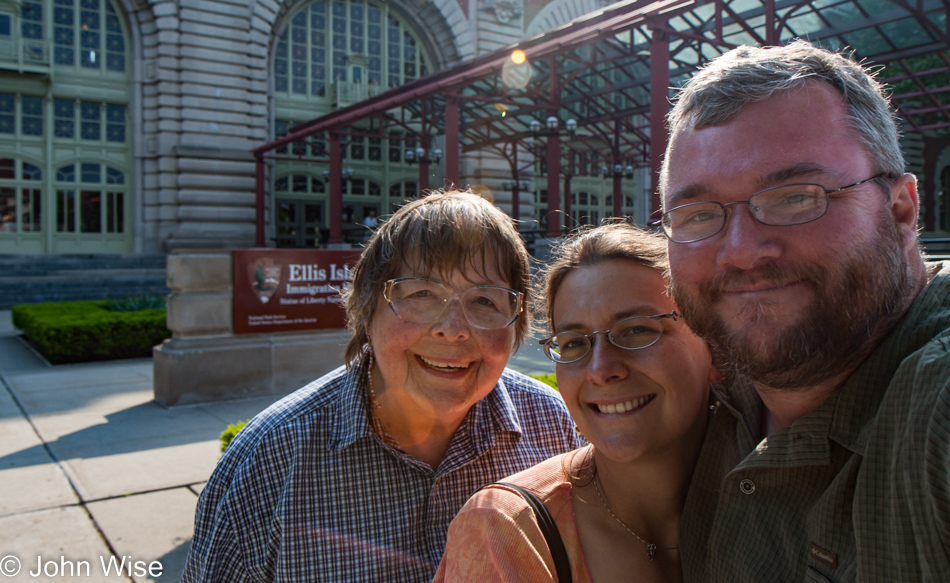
(651, 551)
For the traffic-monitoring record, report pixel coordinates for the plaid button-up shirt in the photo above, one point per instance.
(307, 492)
(856, 490)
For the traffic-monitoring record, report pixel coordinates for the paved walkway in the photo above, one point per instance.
(91, 467)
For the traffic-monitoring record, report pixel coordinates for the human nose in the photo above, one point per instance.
(746, 242)
(606, 362)
(452, 322)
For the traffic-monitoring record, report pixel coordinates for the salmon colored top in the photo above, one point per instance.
(495, 537)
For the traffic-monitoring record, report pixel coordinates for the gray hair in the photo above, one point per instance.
(746, 75)
(439, 233)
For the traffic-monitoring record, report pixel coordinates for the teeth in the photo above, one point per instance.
(625, 406)
(435, 364)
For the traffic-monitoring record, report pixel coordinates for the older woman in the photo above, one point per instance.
(636, 380)
(356, 476)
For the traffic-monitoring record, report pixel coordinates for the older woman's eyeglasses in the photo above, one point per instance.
(630, 334)
(790, 204)
(423, 301)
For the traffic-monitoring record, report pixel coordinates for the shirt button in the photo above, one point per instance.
(747, 486)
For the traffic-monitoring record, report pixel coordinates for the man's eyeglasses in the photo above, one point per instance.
(790, 204)
(423, 301)
(630, 334)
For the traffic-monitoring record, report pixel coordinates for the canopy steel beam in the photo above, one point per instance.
(611, 71)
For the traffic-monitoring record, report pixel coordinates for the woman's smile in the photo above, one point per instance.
(625, 406)
(442, 365)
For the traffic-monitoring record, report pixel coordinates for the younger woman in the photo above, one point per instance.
(636, 381)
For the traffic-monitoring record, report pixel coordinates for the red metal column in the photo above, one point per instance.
(618, 195)
(554, 157)
(554, 196)
(567, 201)
(336, 190)
(259, 199)
(452, 142)
(659, 107)
(771, 35)
(516, 189)
(927, 188)
(424, 175)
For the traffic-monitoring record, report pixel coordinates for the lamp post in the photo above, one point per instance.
(423, 158)
(345, 175)
(515, 187)
(617, 172)
(550, 129)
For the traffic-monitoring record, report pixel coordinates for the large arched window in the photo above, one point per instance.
(87, 34)
(355, 42)
(332, 53)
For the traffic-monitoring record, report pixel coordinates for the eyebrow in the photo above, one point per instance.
(643, 310)
(696, 190)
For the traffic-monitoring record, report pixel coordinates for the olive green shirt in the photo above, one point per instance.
(856, 490)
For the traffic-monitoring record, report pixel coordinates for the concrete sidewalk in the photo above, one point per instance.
(91, 467)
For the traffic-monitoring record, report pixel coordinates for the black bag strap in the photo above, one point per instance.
(562, 565)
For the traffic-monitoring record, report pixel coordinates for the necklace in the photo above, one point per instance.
(377, 424)
(651, 548)
(369, 386)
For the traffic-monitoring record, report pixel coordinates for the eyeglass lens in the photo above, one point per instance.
(630, 334)
(792, 204)
(423, 301)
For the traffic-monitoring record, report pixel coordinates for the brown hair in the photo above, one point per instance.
(592, 246)
(726, 85)
(438, 234)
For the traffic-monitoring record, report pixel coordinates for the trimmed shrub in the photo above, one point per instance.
(136, 304)
(548, 379)
(228, 434)
(65, 332)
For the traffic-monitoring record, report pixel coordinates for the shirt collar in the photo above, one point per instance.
(351, 421)
(491, 415)
(843, 415)
(494, 414)
(859, 398)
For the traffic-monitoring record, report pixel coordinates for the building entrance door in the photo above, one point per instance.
(299, 222)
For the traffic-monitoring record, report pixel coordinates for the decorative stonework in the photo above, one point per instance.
(505, 10)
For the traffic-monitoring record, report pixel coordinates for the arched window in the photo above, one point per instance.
(356, 42)
(329, 54)
(87, 34)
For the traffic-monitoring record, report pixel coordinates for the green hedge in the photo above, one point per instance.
(232, 430)
(66, 332)
(548, 379)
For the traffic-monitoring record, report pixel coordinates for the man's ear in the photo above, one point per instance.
(905, 206)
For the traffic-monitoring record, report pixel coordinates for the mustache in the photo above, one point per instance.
(770, 274)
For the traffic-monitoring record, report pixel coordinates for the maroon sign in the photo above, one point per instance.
(284, 290)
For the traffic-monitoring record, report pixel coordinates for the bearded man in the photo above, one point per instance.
(794, 253)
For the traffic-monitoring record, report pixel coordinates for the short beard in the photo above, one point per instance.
(856, 303)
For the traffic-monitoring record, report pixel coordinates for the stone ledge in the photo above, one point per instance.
(200, 370)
